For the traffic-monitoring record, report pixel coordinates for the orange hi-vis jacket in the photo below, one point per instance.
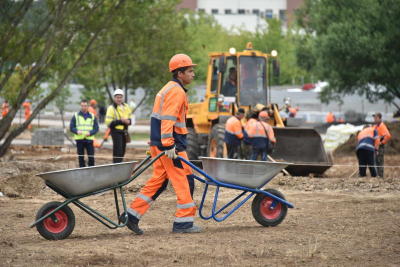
(259, 133)
(383, 133)
(233, 131)
(330, 118)
(168, 120)
(4, 109)
(368, 139)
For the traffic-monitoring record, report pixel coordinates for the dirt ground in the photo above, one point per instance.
(338, 220)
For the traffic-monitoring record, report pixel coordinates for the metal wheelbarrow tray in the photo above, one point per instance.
(247, 173)
(80, 181)
(269, 206)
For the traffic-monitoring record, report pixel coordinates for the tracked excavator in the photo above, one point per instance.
(241, 80)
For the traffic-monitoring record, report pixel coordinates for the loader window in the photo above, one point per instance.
(214, 75)
(252, 82)
(229, 85)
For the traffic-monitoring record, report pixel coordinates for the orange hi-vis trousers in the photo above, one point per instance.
(176, 172)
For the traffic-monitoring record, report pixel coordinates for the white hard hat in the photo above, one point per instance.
(118, 92)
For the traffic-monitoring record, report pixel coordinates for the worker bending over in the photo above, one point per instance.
(384, 137)
(168, 133)
(234, 134)
(368, 143)
(84, 126)
(261, 136)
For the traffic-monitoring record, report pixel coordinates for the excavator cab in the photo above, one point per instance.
(240, 80)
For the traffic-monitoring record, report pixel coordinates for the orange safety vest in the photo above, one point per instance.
(330, 118)
(168, 120)
(92, 110)
(4, 109)
(368, 139)
(234, 127)
(27, 107)
(383, 133)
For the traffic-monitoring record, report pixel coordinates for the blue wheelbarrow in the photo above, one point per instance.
(269, 206)
(56, 220)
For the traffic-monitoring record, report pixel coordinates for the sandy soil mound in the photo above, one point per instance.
(393, 147)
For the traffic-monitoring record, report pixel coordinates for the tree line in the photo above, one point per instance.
(109, 44)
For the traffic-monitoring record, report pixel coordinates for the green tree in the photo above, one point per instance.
(355, 45)
(47, 38)
(135, 50)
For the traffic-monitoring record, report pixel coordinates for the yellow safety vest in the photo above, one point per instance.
(121, 112)
(84, 125)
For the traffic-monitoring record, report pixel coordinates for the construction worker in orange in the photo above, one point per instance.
(27, 106)
(368, 143)
(93, 108)
(5, 108)
(234, 134)
(168, 134)
(384, 137)
(261, 136)
(330, 118)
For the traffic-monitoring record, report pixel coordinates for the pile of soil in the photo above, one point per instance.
(391, 148)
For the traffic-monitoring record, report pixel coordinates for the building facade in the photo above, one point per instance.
(247, 14)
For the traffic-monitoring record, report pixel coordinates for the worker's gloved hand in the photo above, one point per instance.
(170, 153)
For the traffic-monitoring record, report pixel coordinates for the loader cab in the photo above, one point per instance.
(238, 79)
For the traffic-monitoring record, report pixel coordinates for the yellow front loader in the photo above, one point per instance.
(240, 80)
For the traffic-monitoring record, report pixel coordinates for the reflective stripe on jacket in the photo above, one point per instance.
(114, 116)
(85, 125)
(168, 119)
(260, 134)
(383, 133)
(233, 131)
(368, 139)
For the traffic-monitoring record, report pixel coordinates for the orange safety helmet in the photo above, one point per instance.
(263, 114)
(92, 102)
(180, 61)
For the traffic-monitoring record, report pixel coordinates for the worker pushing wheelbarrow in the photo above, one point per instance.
(56, 220)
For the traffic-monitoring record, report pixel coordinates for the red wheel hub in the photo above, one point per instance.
(58, 224)
(269, 212)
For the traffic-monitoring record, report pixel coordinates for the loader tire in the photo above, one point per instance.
(193, 146)
(262, 211)
(216, 146)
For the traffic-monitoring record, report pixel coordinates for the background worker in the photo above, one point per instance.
(118, 119)
(93, 108)
(27, 106)
(384, 137)
(368, 143)
(168, 133)
(84, 125)
(330, 118)
(5, 108)
(261, 136)
(234, 134)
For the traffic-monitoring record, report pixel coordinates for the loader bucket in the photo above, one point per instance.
(304, 148)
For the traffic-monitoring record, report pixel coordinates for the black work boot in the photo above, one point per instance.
(191, 230)
(132, 224)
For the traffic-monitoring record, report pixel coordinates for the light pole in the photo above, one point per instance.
(273, 54)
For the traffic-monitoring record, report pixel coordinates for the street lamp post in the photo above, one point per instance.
(273, 54)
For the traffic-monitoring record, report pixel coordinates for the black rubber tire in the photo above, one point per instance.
(193, 146)
(217, 134)
(275, 216)
(52, 230)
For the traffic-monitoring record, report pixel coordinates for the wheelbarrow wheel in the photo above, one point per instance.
(59, 225)
(268, 212)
